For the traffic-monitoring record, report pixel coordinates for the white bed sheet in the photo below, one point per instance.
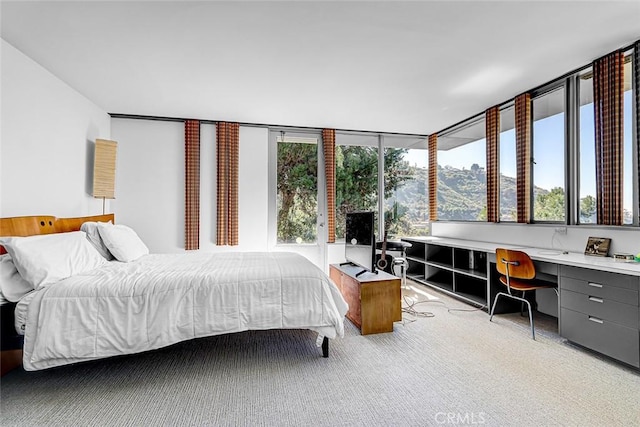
(20, 312)
(159, 300)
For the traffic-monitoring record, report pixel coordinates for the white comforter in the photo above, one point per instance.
(159, 300)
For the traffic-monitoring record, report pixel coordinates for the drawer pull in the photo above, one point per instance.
(596, 320)
(595, 285)
(596, 299)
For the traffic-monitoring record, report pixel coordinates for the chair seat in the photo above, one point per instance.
(525, 285)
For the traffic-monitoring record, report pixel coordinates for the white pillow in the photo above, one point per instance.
(91, 228)
(12, 285)
(122, 242)
(48, 258)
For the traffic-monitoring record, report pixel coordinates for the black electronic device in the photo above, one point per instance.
(360, 242)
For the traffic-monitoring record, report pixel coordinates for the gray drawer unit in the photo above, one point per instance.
(601, 308)
(601, 290)
(601, 277)
(609, 338)
(601, 311)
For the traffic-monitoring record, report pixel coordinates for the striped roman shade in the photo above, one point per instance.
(492, 120)
(227, 149)
(329, 148)
(608, 92)
(192, 184)
(523, 157)
(433, 177)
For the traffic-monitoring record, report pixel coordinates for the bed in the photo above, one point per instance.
(157, 300)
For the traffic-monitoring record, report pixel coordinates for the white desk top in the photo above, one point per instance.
(539, 254)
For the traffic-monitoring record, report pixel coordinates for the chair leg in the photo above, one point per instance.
(533, 332)
(524, 301)
(522, 304)
(495, 301)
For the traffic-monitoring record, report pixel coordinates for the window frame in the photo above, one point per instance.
(538, 93)
(502, 108)
(472, 121)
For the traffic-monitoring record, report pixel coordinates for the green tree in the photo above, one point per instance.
(356, 186)
(588, 209)
(297, 186)
(550, 206)
(357, 181)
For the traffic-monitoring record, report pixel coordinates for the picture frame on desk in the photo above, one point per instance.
(597, 246)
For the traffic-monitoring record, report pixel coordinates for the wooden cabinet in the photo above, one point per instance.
(601, 311)
(374, 299)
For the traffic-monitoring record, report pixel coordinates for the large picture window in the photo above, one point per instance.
(297, 190)
(462, 175)
(548, 139)
(356, 176)
(405, 186)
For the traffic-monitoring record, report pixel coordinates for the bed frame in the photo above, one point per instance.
(22, 226)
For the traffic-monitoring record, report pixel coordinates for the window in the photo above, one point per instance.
(586, 133)
(356, 176)
(587, 147)
(406, 204)
(628, 175)
(548, 140)
(297, 190)
(462, 176)
(508, 197)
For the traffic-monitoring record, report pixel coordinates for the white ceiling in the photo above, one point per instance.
(408, 67)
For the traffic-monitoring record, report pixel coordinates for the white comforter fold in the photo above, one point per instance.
(159, 300)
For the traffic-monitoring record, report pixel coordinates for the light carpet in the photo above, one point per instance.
(455, 368)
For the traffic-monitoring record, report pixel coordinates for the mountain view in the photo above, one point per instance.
(461, 194)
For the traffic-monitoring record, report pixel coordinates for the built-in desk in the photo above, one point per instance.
(598, 302)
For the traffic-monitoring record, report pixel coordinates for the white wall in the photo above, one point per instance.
(150, 181)
(253, 190)
(150, 185)
(623, 239)
(46, 142)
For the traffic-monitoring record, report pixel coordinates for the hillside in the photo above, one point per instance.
(461, 194)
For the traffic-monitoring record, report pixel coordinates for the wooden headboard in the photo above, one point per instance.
(42, 224)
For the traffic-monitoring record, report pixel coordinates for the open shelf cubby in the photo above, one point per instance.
(439, 277)
(471, 262)
(440, 255)
(457, 271)
(471, 288)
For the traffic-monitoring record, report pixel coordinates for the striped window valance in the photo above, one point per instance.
(523, 157)
(433, 177)
(227, 149)
(192, 184)
(329, 149)
(608, 92)
(492, 123)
